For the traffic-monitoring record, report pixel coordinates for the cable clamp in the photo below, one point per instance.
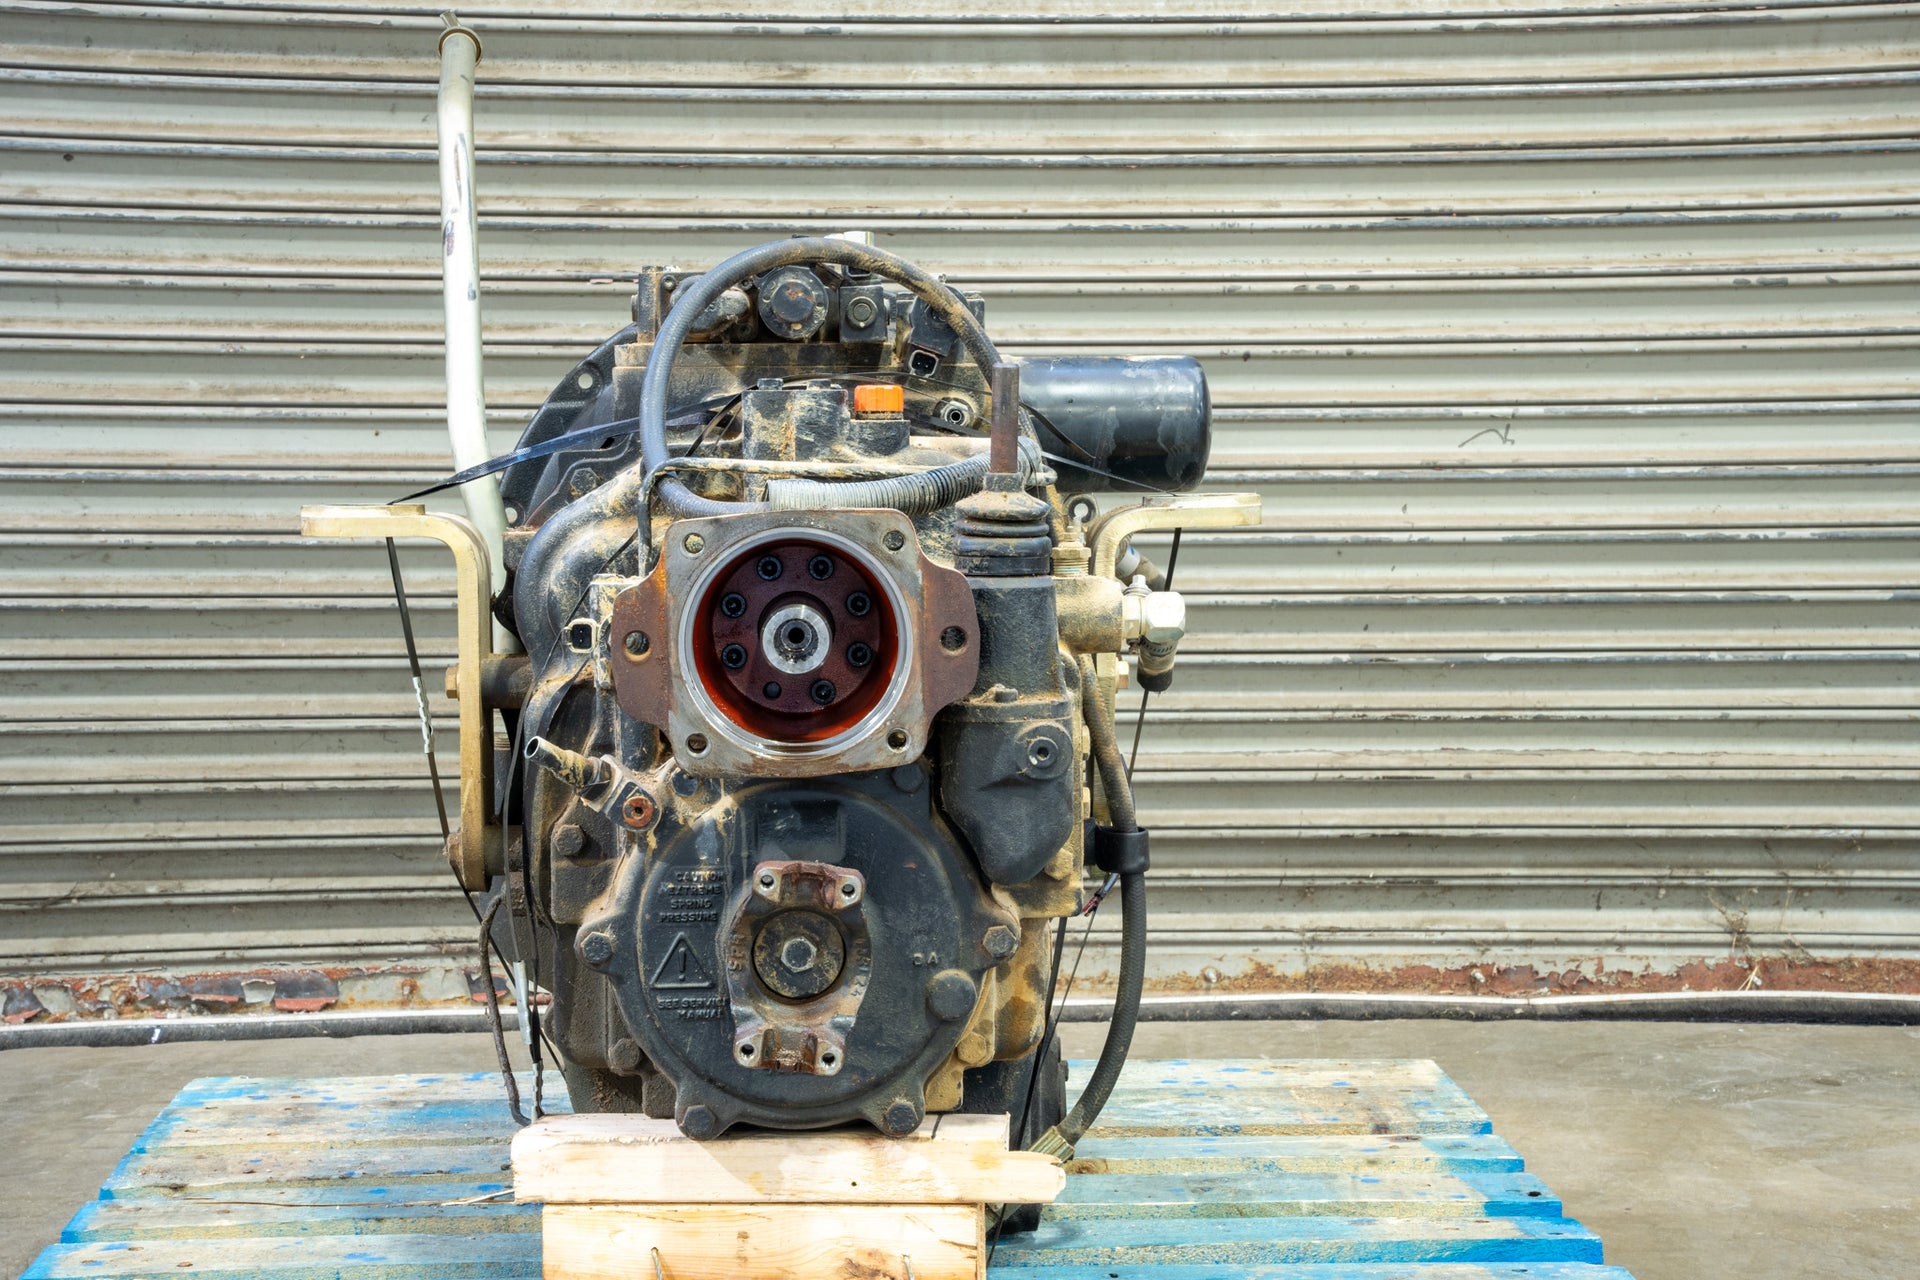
(1119, 852)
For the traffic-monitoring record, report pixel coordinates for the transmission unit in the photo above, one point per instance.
(812, 738)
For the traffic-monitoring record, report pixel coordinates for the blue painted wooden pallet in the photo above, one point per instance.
(1224, 1170)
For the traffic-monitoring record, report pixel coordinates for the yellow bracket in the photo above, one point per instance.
(473, 577)
(1111, 529)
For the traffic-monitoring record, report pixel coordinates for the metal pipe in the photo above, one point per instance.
(460, 289)
(1829, 1008)
(1004, 385)
(1851, 1008)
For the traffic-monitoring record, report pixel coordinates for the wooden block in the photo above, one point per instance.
(764, 1242)
(835, 1205)
(620, 1159)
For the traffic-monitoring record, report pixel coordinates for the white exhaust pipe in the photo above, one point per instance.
(460, 286)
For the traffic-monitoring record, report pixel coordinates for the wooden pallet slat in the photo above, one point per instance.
(1269, 1170)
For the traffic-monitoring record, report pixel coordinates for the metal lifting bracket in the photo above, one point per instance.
(473, 576)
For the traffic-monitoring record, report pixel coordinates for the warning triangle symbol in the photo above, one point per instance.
(680, 968)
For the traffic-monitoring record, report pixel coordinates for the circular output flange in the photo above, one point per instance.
(795, 640)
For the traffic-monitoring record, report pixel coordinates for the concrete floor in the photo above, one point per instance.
(1697, 1152)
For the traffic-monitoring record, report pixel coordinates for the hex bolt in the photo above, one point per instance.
(636, 644)
(902, 1117)
(821, 567)
(733, 604)
(1000, 942)
(699, 1122)
(567, 840)
(734, 656)
(624, 1056)
(859, 604)
(951, 995)
(596, 948)
(769, 568)
(822, 691)
(694, 544)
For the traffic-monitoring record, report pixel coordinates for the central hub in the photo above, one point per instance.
(799, 954)
(796, 637)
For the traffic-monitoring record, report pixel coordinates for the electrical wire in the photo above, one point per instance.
(1140, 721)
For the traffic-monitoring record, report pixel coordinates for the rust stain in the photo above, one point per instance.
(266, 992)
(1857, 974)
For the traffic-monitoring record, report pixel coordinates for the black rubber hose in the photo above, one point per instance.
(1063, 1137)
(695, 297)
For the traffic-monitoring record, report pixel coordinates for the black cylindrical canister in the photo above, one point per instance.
(1122, 424)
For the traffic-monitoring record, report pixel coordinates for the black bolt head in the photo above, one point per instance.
(770, 691)
(769, 567)
(699, 1122)
(733, 604)
(902, 1118)
(821, 567)
(859, 604)
(735, 656)
(859, 654)
(822, 691)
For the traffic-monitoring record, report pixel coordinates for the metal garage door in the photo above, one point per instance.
(1572, 345)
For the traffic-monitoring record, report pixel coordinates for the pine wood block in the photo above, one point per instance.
(840, 1205)
(624, 1159)
(764, 1242)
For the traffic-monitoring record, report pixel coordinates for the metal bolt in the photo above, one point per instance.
(953, 639)
(799, 954)
(1000, 942)
(951, 995)
(567, 840)
(696, 742)
(860, 312)
(894, 540)
(596, 948)
(624, 1055)
(694, 544)
(637, 644)
(902, 1117)
(699, 1122)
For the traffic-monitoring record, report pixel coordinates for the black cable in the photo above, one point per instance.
(493, 1022)
(1046, 1037)
(1140, 721)
(419, 688)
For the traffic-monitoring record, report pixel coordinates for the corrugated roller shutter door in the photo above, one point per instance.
(1572, 347)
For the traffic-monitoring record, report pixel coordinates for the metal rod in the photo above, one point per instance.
(1836, 1008)
(1003, 457)
(460, 288)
